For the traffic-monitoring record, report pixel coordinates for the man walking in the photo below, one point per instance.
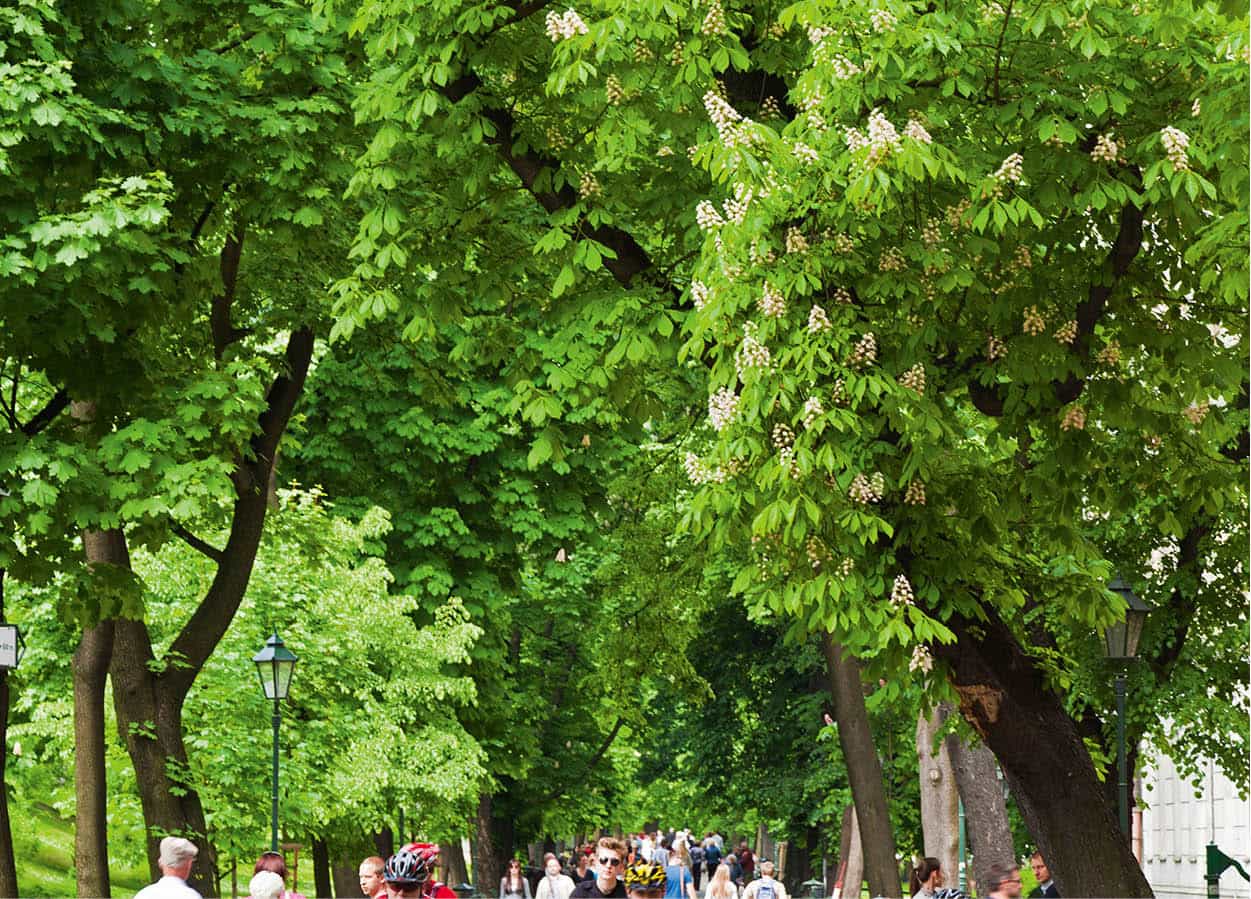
(1046, 888)
(766, 887)
(175, 861)
(372, 884)
(1004, 881)
(609, 859)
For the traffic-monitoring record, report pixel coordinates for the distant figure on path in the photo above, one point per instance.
(697, 864)
(175, 861)
(265, 885)
(746, 861)
(554, 884)
(1003, 881)
(1046, 888)
(372, 884)
(582, 869)
(273, 861)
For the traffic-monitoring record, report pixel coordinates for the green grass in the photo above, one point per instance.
(44, 846)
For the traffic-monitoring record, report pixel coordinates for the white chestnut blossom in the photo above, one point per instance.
(562, 27)
(916, 131)
(722, 408)
(1176, 143)
(818, 321)
(883, 20)
(700, 294)
(707, 216)
(921, 659)
(804, 153)
(771, 302)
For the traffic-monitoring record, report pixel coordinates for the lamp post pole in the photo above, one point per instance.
(273, 841)
(1122, 797)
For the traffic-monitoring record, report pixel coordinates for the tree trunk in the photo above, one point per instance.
(150, 723)
(149, 695)
(321, 870)
(851, 855)
(8, 864)
(940, 801)
(985, 813)
(864, 771)
(452, 862)
(346, 880)
(384, 842)
(1004, 696)
(486, 867)
(90, 666)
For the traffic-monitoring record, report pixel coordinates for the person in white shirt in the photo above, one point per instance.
(765, 887)
(554, 885)
(175, 861)
(720, 886)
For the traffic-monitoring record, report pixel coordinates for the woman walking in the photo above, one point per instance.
(554, 884)
(513, 885)
(721, 886)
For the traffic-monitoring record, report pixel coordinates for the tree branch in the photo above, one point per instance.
(45, 416)
(224, 333)
(206, 626)
(195, 542)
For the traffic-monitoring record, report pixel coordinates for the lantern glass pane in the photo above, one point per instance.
(1114, 637)
(283, 673)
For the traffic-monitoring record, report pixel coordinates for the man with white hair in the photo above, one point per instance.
(175, 861)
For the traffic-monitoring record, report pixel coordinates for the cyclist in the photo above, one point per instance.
(645, 881)
(409, 874)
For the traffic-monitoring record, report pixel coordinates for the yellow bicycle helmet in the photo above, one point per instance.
(644, 878)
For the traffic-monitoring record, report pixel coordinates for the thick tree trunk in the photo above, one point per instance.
(452, 862)
(486, 867)
(150, 723)
(940, 800)
(8, 864)
(384, 842)
(851, 855)
(90, 667)
(1004, 696)
(148, 695)
(985, 813)
(321, 870)
(864, 771)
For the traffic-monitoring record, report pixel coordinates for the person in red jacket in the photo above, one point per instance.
(409, 874)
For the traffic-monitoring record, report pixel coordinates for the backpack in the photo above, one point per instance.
(766, 890)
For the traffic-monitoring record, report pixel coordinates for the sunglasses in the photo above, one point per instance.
(607, 862)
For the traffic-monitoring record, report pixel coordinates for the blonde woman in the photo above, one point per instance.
(721, 886)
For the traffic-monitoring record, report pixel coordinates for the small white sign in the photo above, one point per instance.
(8, 645)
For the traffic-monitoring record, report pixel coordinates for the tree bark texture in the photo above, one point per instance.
(940, 800)
(148, 696)
(1004, 697)
(864, 771)
(851, 855)
(321, 870)
(90, 667)
(486, 867)
(985, 812)
(452, 863)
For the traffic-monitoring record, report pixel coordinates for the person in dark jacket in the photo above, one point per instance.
(1046, 888)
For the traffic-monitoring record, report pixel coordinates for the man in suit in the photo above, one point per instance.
(1046, 888)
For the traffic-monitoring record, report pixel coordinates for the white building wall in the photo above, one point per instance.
(1178, 825)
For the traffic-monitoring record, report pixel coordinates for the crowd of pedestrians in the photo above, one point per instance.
(649, 865)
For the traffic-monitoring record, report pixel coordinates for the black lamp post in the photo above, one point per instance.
(1120, 644)
(275, 664)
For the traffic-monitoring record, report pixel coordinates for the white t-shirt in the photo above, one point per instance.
(168, 888)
